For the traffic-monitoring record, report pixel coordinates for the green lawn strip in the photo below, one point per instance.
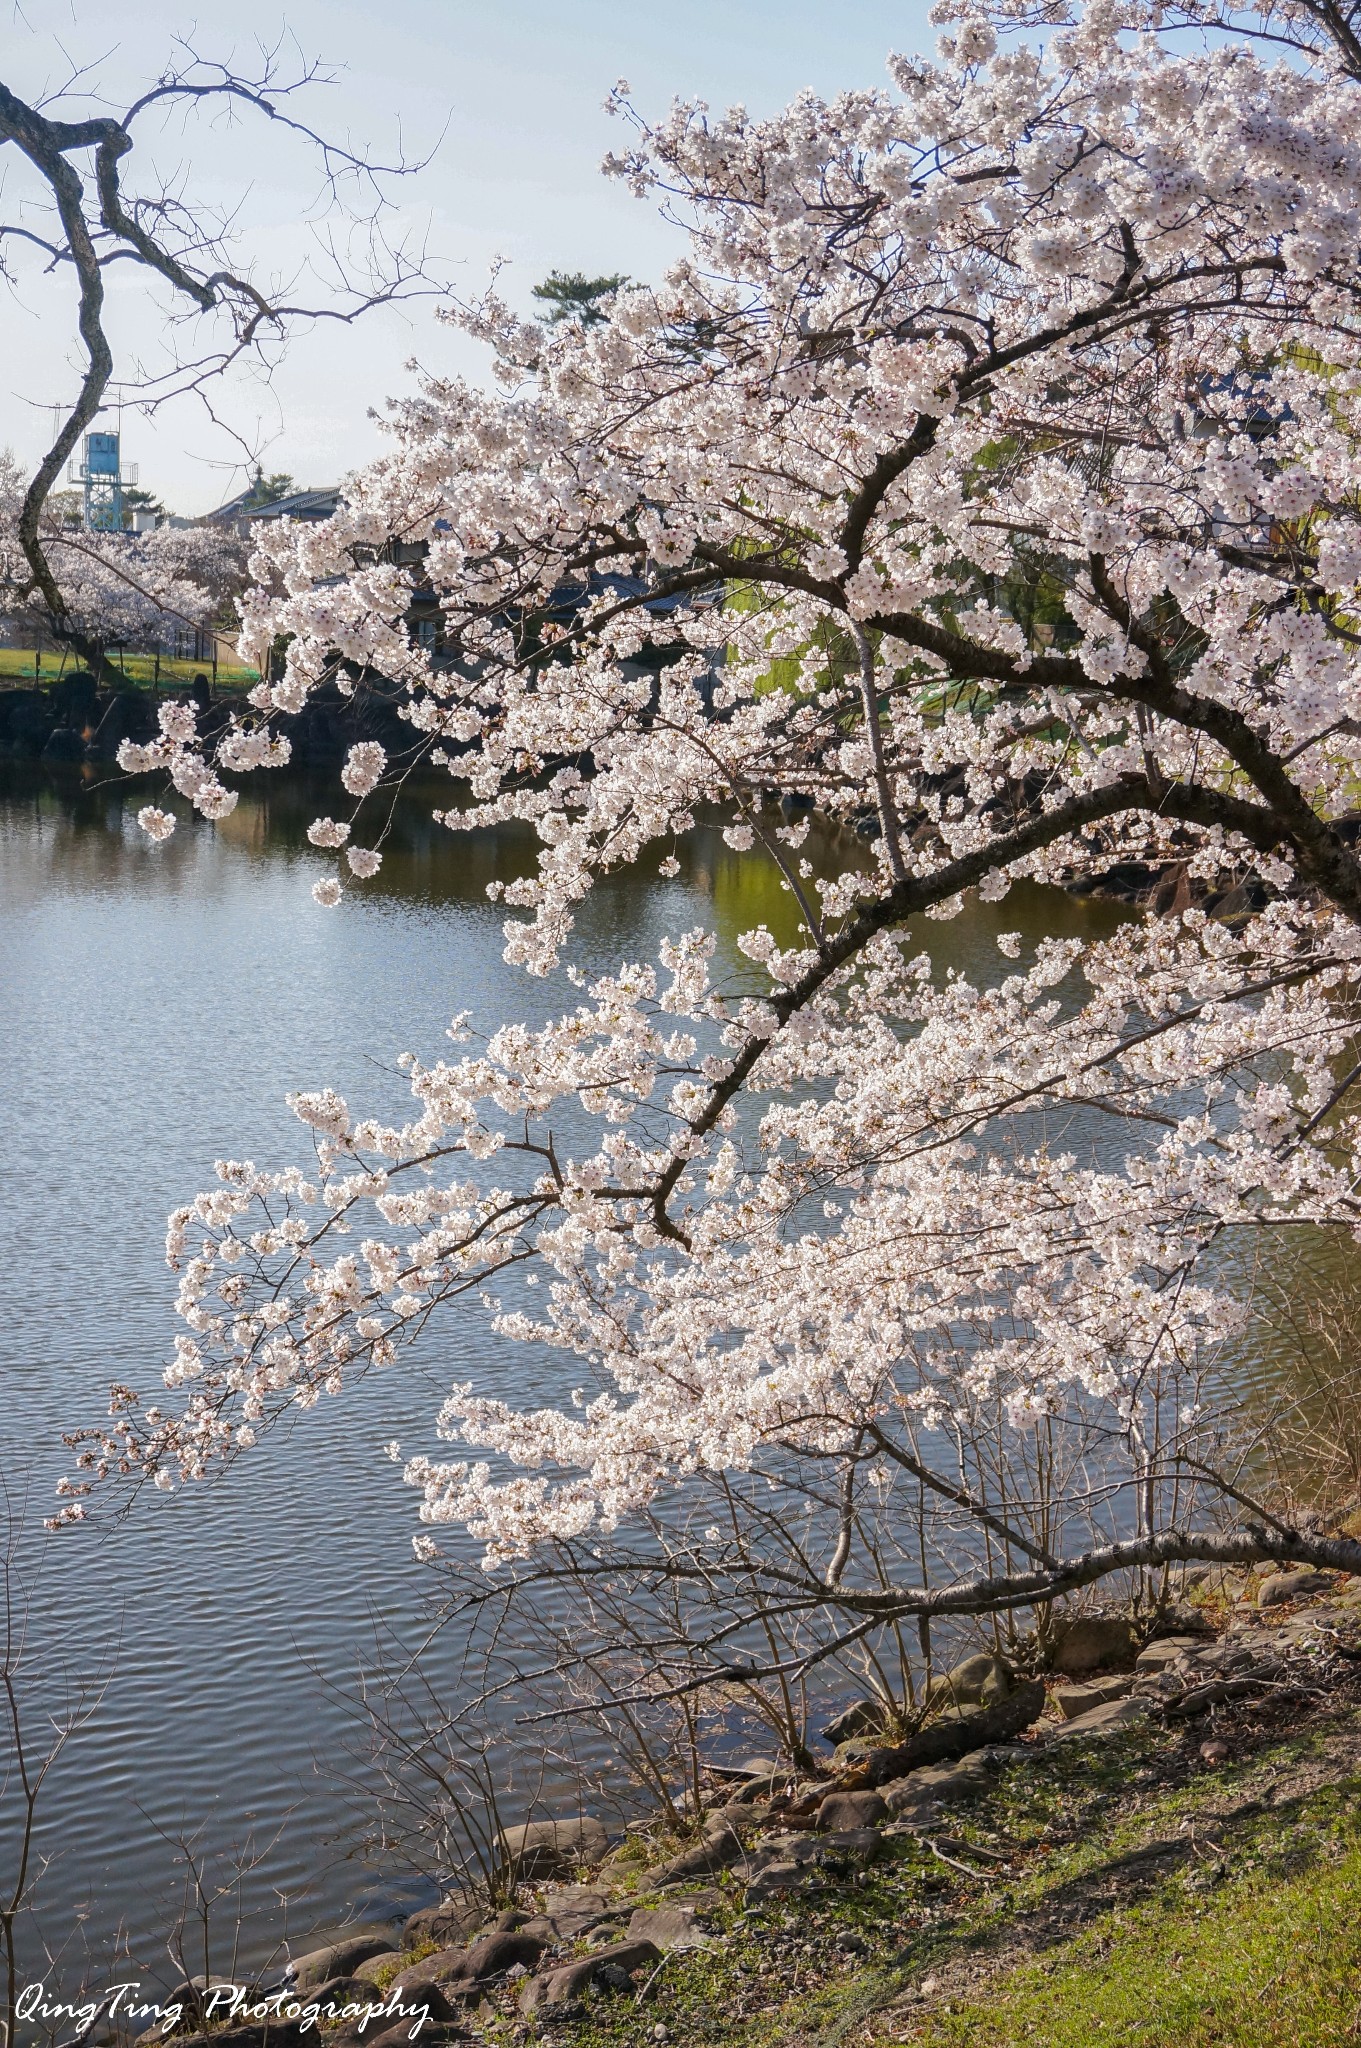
(779, 1977)
(1272, 1957)
(17, 665)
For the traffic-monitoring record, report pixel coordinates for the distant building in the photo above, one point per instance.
(244, 511)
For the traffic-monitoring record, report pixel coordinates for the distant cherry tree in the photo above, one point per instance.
(118, 589)
(83, 193)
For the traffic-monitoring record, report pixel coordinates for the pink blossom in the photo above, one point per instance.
(960, 472)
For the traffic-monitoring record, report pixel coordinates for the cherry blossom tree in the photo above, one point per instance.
(117, 589)
(984, 475)
(128, 590)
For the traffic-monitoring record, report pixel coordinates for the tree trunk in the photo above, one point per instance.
(90, 653)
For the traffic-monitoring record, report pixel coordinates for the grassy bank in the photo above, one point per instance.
(1252, 1937)
(1276, 1957)
(1131, 1892)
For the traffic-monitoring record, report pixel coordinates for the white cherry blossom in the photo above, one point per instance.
(983, 475)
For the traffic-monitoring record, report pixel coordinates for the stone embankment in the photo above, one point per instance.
(602, 1922)
(75, 721)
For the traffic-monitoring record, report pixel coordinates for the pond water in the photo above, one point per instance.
(156, 1005)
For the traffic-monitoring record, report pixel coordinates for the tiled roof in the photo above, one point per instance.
(300, 505)
(318, 504)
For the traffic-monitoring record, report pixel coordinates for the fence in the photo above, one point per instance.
(23, 668)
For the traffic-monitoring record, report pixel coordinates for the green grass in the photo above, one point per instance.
(1253, 1938)
(1273, 1957)
(22, 664)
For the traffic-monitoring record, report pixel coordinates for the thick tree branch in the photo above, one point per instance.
(916, 893)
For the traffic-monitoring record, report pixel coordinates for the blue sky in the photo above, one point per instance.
(516, 89)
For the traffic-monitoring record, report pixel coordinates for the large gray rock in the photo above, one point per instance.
(554, 1848)
(1075, 1699)
(756, 1768)
(577, 1908)
(862, 1717)
(720, 1820)
(718, 1850)
(1183, 1617)
(1092, 1642)
(188, 1994)
(340, 1992)
(437, 2033)
(773, 1880)
(924, 1791)
(1107, 1720)
(491, 1957)
(562, 1901)
(445, 1962)
(362, 2012)
(378, 1967)
(506, 1921)
(1167, 1650)
(1232, 1653)
(1283, 1586)
(611, 1969)
(548, 1931)
(453, 1919)
(851, 1810)
(781, 1863)
(760, 1787)
(673, 1929)
(978, 1681)
(340, 1958)
(737, 1813)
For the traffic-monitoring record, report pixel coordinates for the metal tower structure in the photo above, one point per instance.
(103, 477)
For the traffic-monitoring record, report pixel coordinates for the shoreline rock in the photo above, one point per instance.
(554, 1848)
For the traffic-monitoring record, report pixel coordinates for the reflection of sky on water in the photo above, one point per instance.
(156, 1005)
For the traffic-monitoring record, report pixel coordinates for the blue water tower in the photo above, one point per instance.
(101, 454)
(103, 479)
